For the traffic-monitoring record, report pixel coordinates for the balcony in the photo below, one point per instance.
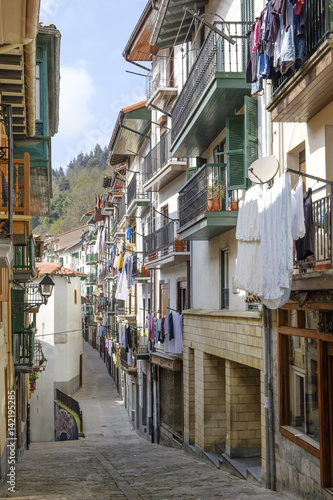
(164, 249)
(92, 279)
(24, 261)
(128, 367)
(91, 259)
(107, 206)
(214, 89)
(300, 94)
(122, 208)
(137, 199)
(160, 86)
(23, 351)
(160, 168)
(205, 210)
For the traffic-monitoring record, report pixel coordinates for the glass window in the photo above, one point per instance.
(303, 386)
(38, 107)
(225, 279)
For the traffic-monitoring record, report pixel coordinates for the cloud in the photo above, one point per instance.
(76, 90)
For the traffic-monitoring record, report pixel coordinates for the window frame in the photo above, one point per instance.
(324, 351)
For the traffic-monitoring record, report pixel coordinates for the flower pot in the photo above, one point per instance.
(214, 204)
(234, 205)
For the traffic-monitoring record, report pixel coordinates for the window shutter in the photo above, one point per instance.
(251, 132)
(4, 279)
(235, 152)
(18, 319)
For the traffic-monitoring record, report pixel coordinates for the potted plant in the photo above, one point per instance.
(32, 379)
(215, 195)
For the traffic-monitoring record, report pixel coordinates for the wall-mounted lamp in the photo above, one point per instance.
(36, 295)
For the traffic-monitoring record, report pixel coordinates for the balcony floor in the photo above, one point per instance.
(224, 94)
(308, 91)
(166, 174)
(209, 225)
(168, 260)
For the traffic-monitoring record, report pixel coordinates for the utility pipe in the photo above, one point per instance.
(269, 414)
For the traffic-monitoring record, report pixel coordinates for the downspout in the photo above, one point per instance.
(269, 414)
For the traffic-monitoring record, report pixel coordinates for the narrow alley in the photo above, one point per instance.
(112, 462)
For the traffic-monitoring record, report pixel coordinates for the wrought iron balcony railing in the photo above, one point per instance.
(23, 350)
(159, 76)
(163, 242)
(322, 219)
(135, 190)
(320, 28)
(206, 191)
(122, 208)
(158, 157)
(24, 256)
(91, 258)
(216, 56)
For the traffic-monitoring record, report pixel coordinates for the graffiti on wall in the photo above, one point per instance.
(65, 425)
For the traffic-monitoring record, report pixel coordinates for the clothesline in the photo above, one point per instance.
(314, 177)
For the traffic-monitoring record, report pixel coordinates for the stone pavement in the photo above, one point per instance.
(112, 462)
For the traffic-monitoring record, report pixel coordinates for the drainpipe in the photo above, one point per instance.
(156, 433)
(269, 414)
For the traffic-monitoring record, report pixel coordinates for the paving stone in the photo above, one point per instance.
(118, 464)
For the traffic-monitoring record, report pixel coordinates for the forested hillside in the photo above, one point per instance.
(74, 192)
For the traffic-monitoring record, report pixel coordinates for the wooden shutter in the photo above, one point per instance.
(4, 279)
(235, 152)
(251, 132)
(18, 318)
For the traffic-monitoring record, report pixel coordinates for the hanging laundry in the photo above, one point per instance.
(129, 232)
(305, 247)
(120, 261)
(265, 230)
(122, 288)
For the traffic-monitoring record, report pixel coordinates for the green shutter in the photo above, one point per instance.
(251, 131)
(235, 152)
(18, 319)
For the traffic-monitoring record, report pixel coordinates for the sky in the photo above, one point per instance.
(94, 85)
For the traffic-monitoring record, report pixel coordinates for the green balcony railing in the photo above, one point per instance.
(91, 258)
(24, 256)
(23, 350)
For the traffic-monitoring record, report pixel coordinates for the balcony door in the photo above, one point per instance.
(164, 298)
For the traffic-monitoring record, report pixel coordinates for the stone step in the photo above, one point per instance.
(213, 457)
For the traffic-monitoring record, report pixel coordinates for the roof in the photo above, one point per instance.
(56, 270)
(138, 47)
(173, 24)
(131, 128)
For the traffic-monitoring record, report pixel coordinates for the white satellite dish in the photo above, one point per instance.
(263, 170)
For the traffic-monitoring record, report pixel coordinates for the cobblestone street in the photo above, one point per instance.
(112, 462)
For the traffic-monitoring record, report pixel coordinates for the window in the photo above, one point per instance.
(182, 295)
(225, 279)
(165, 216)
(38, 102)
(164, 298)
(305, 358)
(75, 296)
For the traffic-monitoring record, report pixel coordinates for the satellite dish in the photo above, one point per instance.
(263, 170)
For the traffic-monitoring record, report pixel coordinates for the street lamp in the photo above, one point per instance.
(36, 295)
(46, 287)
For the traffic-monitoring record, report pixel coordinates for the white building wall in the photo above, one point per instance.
(59, 330)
